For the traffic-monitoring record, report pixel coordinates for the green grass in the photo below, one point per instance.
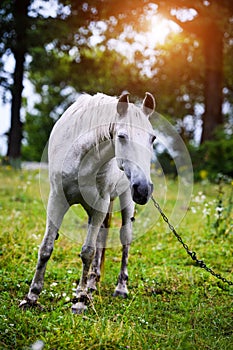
(172, 303)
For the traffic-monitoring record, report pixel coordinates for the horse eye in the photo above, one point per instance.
(122, 135)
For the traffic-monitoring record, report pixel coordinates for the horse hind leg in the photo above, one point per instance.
(55, 213)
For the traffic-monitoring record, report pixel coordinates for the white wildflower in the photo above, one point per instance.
(200, 198)
(193, 210)
(54, 284)
(219, 209)
(206, 211)
(38, 345)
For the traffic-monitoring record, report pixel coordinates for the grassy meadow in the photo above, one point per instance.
(172, 303)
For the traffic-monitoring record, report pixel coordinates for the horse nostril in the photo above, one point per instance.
(141, 192)
(135, 186)
(138, 187)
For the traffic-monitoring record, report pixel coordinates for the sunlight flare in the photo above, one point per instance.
(159, 29)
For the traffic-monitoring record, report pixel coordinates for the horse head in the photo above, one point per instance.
(134, 137)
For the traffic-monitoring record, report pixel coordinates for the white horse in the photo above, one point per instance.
(99, 149)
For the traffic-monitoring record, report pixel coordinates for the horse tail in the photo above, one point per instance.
(106, 225)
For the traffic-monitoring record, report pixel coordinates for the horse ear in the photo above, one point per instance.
(148, 105)
(122, 104)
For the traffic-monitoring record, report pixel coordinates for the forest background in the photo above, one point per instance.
(180, 51)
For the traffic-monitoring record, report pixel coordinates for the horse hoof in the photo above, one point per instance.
(27, 304)
(78, 308)
(119, 293)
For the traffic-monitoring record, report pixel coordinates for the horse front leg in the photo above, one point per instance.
(121, 288)
(126, 238)
(56, 211)
(87, 255)
(98, 261)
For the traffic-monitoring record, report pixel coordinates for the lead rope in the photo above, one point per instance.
(192, 254)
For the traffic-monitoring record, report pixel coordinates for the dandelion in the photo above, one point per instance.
(203, 174)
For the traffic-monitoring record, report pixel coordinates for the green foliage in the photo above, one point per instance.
(214, 157)
(177, 76)
(166, 163)
(217, 211)
(37, 137)
(176, 69)
(63, 56)
(224, 209)
(172, 304)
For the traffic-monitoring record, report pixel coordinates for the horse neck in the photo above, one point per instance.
(97, 157)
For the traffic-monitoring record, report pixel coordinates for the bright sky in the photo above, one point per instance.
(5, 111)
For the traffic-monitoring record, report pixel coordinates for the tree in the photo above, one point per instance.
(64, 42)
(208, 25)
(204, 22)
(22, 29)
(14, 16)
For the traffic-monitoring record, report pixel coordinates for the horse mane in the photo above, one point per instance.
(98, 114)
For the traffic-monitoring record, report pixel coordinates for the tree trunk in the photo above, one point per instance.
(15, 134)
(19, 48)
(213, 51)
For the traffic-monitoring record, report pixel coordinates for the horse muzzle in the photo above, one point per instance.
(141, 192)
